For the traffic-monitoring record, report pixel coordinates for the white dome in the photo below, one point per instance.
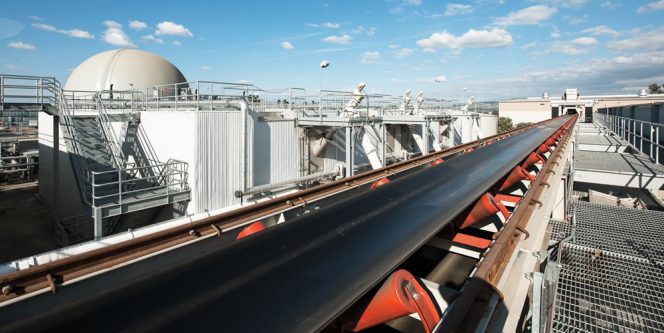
(125, 69)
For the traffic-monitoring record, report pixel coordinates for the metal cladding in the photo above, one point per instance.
(400, 295)
(516, 175)
(293, 277)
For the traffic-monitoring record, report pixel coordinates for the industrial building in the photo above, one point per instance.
(534, 109)
(207, 205)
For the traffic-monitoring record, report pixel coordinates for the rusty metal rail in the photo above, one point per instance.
(50, 275)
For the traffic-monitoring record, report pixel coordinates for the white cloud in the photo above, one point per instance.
(657, 5)
(555, 34)
(206, 68)
(370, 57)
(21, 45)
(609, 5)
(176, 43)
(428, 50)
(342, 39)
(137, 25)
(457, 9)
(585, 41)
(172, 29)
(471, 39)
(153, 39)
(575, 47)
(600, 30)
(530, 15)
(402, 4)
(529, 45)
(369, 31)
(114, 35)
(76, 33)
(402, 53)
(566, 3)
(623, 60)
(650, 40)
(36, 18)
(286, 45)
(243, 81)
(330, 25)
(440, 78)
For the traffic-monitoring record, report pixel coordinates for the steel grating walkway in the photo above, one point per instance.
(611, 271)
(616, 162)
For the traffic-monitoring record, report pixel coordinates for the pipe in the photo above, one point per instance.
(244, 109)
(282, 184)
(293, 277)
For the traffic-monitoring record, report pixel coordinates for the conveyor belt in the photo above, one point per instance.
(295, 277)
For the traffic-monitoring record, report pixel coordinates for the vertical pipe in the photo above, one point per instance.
(349, 152)
(56, 168)
(383, 140)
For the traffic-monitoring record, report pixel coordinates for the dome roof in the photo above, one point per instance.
(125, 69)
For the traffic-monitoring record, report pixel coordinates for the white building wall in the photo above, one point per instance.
(173, 135)
(526, 116)
(69, 198)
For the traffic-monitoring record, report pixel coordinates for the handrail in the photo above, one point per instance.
(633, 131)
(80, 169)
(174, 178)
(109, 134)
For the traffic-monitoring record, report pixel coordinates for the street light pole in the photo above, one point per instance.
(323, 64)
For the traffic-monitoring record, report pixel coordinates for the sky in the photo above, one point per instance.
(491, 49)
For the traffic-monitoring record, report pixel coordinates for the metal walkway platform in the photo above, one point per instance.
(611, 275)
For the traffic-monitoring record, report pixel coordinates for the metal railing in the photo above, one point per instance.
(643, 136)
(172, 179)
(112, 140)
(71, 140)
(203, 95)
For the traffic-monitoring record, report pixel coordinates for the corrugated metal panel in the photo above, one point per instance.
(284, 151)
(219, 157)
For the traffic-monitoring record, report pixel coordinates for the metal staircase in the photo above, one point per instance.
(110, 185)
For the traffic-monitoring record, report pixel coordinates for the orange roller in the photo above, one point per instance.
(532, 159)
(399, 296)
(483, 208)
(551, 141)
(543, 149)
(468, 150)
(379, 183)
(516, 175)
(251, 229)
(437, 161)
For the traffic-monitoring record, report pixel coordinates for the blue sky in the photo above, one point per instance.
(492, 49)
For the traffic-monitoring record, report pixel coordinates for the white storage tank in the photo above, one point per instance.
(488, 125)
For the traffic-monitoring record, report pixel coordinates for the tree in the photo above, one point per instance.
(522, 125)
(655, 88)
(504, 124)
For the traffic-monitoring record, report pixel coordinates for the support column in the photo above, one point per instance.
(56, 168)
(99, 232)
(383, 139)
(350, 151)
(425, 137)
